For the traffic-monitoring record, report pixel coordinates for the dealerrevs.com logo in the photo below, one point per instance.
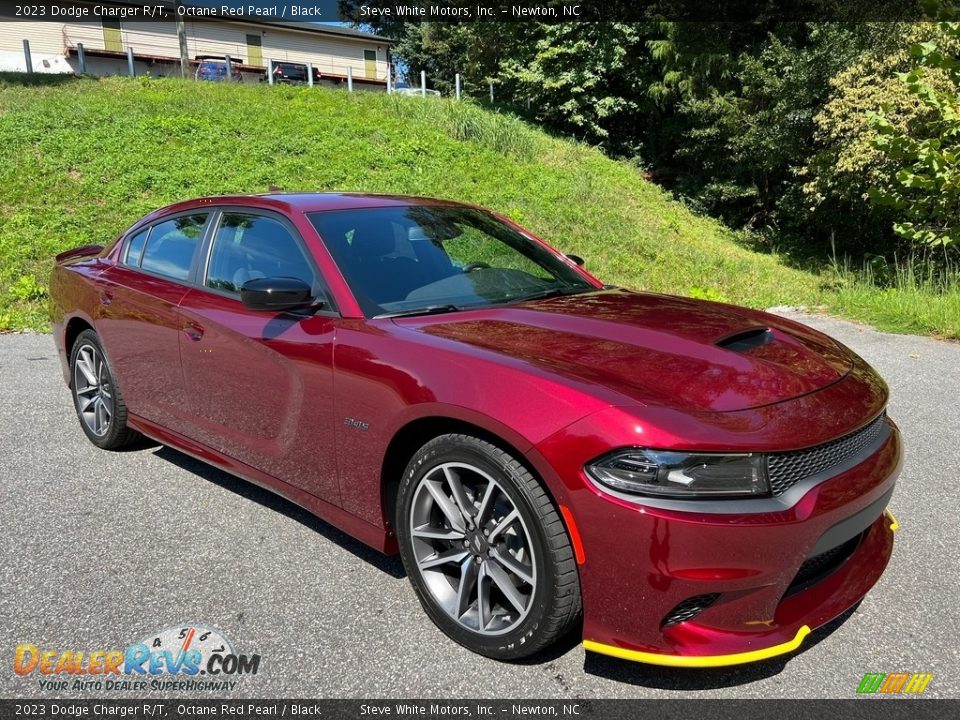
(180, 658)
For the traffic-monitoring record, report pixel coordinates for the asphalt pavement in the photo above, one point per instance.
(101, 549)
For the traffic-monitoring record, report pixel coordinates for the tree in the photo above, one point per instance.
(763, 124)
(745, 126)
(924, 187)
(845, 164)
(585, 79)
(476, 50)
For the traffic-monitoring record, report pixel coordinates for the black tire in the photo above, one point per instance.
(114, 434)
(553, 603)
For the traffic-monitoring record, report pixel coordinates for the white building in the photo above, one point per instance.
(334, 51)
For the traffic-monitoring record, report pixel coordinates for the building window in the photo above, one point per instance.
(112, 39)
(255, 50)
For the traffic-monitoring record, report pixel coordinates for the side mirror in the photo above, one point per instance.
(277, 294)
(577, 259)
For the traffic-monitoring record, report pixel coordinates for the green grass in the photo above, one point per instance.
(81, 160)
(901, 301)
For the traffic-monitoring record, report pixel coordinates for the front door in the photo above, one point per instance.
(260, 384)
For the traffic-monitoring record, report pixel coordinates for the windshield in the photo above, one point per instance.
(402, 259)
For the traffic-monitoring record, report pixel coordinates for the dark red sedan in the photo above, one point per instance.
(701, 483)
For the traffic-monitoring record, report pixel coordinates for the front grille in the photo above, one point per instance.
(688, 608)
(787, 469)
(819, 566)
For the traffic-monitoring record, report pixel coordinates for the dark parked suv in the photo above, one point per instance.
(293, 73)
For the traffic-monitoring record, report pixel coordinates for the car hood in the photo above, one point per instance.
(655, 349)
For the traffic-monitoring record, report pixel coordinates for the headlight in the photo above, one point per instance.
(681, 475)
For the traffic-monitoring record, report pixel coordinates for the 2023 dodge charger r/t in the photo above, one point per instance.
(701, 483)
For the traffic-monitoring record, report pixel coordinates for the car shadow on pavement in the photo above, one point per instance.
(667, 678)
(138, 445)
(391, 565)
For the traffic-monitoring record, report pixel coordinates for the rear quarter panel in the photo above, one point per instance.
(72, 296)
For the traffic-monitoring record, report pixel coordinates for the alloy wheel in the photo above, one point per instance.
(472, 548)
(91, 382)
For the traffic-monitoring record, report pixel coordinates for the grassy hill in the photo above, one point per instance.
(82, 159)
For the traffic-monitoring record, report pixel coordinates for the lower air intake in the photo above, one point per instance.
(688, 609)
(820, 566)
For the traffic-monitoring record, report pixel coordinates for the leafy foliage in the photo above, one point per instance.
(764, 125)
(847, 163)
(742, 145)
(924, 190)
(582, 79)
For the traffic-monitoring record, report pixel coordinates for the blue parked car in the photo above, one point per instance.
(215, 70)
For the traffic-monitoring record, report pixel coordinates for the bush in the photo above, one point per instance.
(848, 163)
(922, 186)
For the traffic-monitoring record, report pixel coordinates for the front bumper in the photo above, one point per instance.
(640, 563)
(879, 541)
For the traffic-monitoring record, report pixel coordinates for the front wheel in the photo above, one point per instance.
(485, 550)
(96, 397)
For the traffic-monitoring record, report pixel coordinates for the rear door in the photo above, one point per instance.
(139, 320)
(260, 384)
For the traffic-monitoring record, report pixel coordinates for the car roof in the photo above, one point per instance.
(294, 202)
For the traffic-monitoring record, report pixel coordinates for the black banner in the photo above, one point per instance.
(866, 709)
(371, 11)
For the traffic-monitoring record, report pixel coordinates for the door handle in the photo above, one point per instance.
(193, 331)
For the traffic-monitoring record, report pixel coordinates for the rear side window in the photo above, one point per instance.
(254, 246)
(171, 245)
(134, 249)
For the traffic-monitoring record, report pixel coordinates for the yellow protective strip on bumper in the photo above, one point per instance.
(701, 661)
(894, 525)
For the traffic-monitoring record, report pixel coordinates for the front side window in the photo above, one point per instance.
(171, 245)
(254, 246)
(404, 259)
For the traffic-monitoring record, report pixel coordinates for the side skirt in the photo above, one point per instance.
(375, 537)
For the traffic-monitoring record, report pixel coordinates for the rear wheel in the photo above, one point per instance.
(485, 550)
(96, 397)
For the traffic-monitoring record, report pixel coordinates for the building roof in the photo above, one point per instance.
(306, 26)
(327, 29)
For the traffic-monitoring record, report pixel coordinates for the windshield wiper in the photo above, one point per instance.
(428, 310)
(551, 292)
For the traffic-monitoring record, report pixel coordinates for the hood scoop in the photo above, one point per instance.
(746, 340)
